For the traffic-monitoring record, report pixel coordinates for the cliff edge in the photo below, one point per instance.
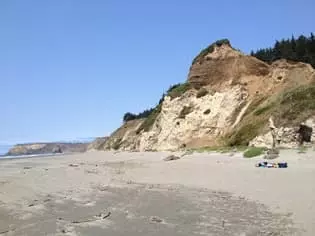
(227, 100)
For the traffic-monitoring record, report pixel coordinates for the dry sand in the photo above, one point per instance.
(139, 194)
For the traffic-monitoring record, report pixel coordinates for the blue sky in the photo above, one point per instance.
(72, 68)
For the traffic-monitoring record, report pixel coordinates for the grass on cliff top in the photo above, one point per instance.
(210, 49)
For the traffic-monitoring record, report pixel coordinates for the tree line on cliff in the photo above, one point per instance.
(295, 49)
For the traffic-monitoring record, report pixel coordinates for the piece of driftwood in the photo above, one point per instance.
(92, 219)
(273, 152)
(272, 128)
(171, 158)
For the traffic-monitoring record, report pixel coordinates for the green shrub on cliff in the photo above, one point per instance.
(174, 91)
(245, 133)
(149, 121)
(130, 116)
(253, 151)
(178, 90)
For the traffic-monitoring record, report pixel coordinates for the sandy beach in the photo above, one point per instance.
(107, 193)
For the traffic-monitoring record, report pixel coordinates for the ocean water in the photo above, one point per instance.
(4, 148)
(31, 155)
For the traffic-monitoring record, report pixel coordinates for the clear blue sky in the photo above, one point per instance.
(72, 68)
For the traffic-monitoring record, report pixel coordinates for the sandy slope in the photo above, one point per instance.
(105, 193)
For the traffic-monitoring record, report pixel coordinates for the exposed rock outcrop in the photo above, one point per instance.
(239, 93)
(288, 136)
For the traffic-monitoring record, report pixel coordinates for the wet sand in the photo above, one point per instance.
(107, 193)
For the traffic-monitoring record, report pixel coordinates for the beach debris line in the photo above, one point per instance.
(73, 165)
(156, 219)
(104, 216)
(7, 231)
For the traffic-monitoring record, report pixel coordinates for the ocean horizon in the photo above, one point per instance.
(4, 148)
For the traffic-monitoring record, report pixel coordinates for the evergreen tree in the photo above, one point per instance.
(300, 49)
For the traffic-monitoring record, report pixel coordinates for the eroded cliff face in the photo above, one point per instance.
(97, 144)
(188, 121)
(234, 87)
(225, 67)
(125, 138)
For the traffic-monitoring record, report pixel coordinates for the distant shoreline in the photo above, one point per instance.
(8, 157)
